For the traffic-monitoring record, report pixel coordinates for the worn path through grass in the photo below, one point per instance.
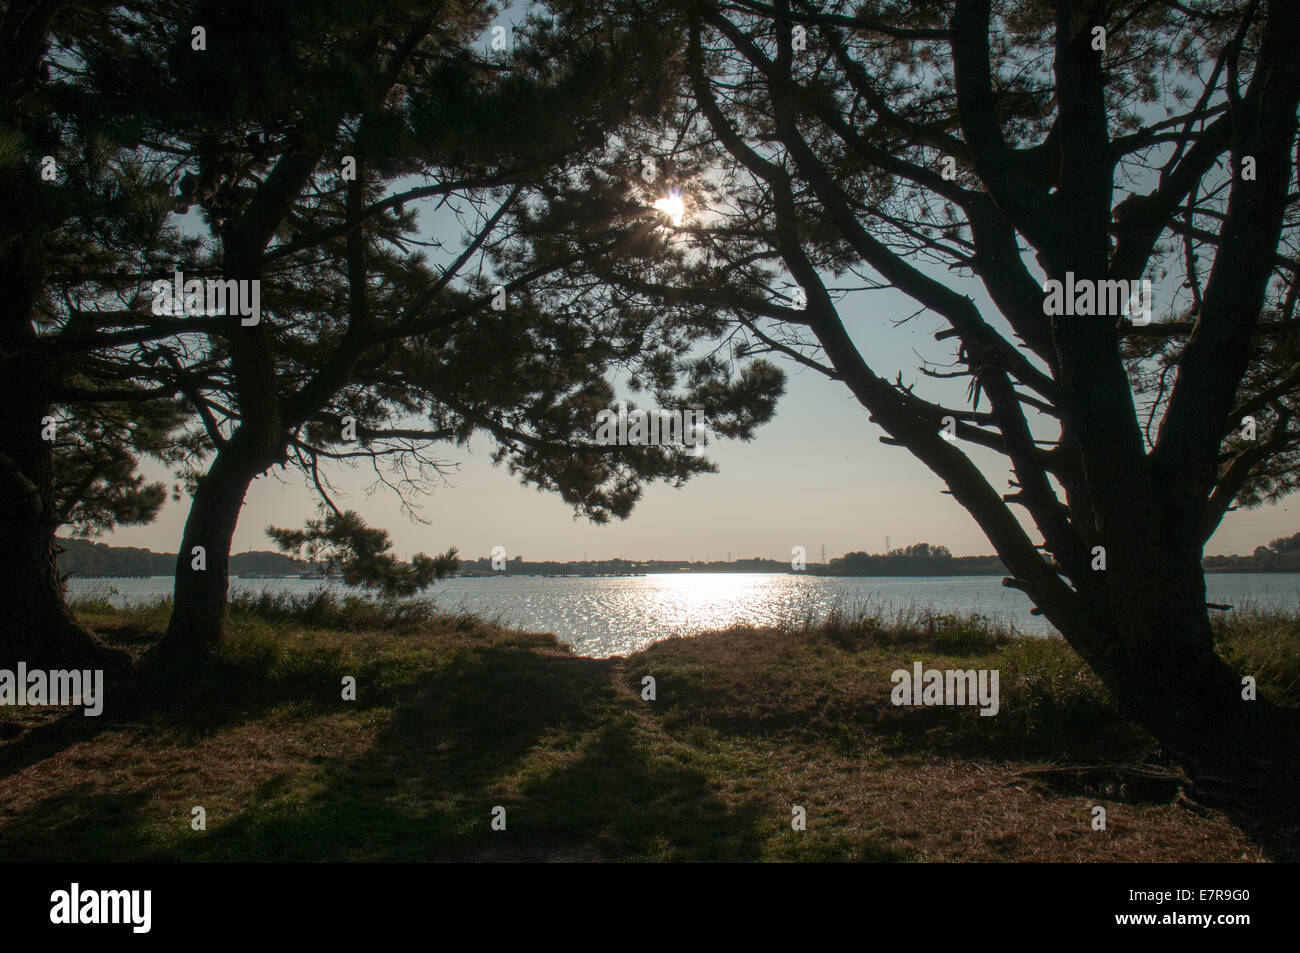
(454, 717)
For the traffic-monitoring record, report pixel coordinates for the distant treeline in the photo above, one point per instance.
(81, 557)
(1281, 555)
(85, 558)
(919, 560)
(922, 559)
(618, 567)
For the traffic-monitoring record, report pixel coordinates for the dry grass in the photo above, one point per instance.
(455, 716)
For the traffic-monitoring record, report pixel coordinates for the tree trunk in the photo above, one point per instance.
(202, 582)
(1159, 663)
(36, 625)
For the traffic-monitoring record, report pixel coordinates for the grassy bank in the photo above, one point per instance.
(455, 716)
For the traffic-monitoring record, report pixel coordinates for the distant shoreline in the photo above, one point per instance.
(90, 560)
(810, 571)
(86, 559)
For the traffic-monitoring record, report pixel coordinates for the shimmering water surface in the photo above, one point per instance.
(616, 615)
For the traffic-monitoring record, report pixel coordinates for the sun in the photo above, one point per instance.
(672, 206)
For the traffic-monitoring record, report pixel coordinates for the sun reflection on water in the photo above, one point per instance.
(649, 608)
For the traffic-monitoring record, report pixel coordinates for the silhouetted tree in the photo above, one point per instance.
(299, 157)
(1286, 545)
(297, 137)
(74, 203)
(96, 483)
(826, 151)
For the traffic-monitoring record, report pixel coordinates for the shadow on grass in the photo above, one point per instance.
(633, 802)
(211, 693)
(81, 825)
(425, 786)
(30, 742)
(29, 737)
(544, 734)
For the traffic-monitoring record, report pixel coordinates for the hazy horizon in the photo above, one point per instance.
(789, 487)
(815, 475)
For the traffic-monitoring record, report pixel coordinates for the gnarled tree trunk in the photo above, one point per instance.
(36, 625)
(201, 588)
(1153, 648)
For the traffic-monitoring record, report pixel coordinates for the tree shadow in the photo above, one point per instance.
(80, 824)
(463, 743)
(36, 735)
(215, 694)
(37, 740)
(455, 729)
(633, 802)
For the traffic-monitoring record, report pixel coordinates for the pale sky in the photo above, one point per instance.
(815, 476)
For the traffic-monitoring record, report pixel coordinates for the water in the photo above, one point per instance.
(604, 616)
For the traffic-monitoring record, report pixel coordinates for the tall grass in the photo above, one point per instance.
(322, 609)
(874, 623)
(1264, 643)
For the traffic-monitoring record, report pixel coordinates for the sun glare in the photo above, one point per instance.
(672, 206)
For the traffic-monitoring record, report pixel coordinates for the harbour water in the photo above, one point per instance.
(604, 616)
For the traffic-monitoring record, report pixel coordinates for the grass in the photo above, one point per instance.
(455, 716)
(1266, 643)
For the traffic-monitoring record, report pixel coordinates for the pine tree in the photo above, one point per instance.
(73, 203)
(824, 152)
(295, 135)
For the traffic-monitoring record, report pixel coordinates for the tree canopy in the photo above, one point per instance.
(980, 158)
(296, 178)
